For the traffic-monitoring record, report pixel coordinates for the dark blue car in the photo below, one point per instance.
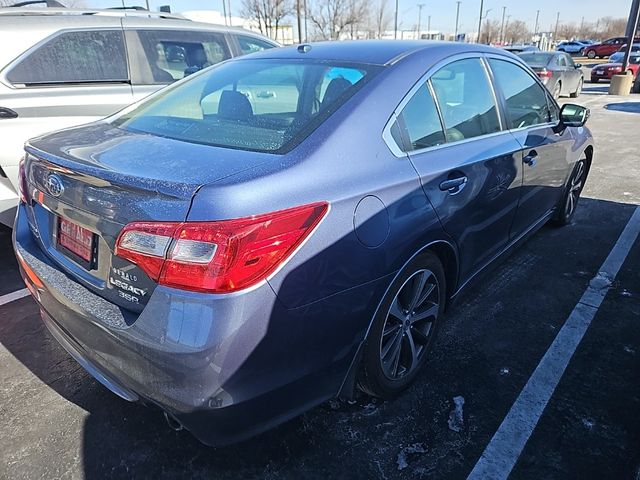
(289, 226)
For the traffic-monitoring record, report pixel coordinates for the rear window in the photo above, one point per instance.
(259, 105)
(536, 58)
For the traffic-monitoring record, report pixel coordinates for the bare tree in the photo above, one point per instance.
(491, 31)
(267, 14)
(517, 32)
(332, 17)
(382, 18)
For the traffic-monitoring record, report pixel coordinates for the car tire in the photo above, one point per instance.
(569, 202)
(578, 91)
(557, 90)
(594, 80)
(404, 327)
(591, 54)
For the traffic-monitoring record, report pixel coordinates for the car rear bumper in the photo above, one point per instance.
(220, 365)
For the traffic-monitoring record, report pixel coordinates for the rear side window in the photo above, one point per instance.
(525, 99)
(252, 44)
(419, 122)
(169, 55)
(260, 105)
(75, 57)
(466, 100)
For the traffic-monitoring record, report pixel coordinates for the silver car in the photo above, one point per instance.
(60, 68)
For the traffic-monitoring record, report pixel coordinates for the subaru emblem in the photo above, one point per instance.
(54, 185)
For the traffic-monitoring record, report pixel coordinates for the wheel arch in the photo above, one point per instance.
(447, 253)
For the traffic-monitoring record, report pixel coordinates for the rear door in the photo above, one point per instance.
(159, 57)
(532, 116)
(469, 167)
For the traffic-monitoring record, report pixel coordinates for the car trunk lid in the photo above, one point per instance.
(86, 183)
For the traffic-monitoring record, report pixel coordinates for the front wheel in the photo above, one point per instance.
(403, 328)
(569, 203)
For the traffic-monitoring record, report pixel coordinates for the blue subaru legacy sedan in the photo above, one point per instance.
(289, 226)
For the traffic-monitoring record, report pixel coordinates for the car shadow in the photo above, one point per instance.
(628, 107)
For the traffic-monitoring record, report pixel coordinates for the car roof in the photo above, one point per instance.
(375, 52)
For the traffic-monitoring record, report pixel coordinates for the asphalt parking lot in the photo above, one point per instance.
(57, 422)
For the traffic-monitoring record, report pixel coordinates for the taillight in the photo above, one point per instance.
(544, 73)
(23, 189)
(218, 257)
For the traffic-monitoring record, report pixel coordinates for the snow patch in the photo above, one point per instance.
(456, 419)
(504, 371)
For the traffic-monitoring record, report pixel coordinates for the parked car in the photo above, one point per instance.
(605, 48)
(571, 47)
(557, 71)
(605, 71)
(61, 67)
(215, 254)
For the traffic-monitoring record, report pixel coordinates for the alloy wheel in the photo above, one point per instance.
(409, 324)
(575, 187)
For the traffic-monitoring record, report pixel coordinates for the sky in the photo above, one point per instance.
(443, 12)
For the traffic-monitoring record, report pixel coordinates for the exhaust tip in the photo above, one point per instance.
(173, 422)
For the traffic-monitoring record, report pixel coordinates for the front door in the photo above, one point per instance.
(532, 117)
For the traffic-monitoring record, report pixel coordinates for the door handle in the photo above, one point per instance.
(530, 158)
(7, 113)
(454, 185)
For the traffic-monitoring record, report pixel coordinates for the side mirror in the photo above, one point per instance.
(572, 115)
(578, 65)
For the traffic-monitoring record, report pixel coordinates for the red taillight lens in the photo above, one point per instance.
(23, 189)
(545, 73)
(218, 257)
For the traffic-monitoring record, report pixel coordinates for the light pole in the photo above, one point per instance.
(535, 31)
(455, 35)
(480, 20)
(420, 7)
(504, 11)
(429, 23)
(395, 28)
(555, 32)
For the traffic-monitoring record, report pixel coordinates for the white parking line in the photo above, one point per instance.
(507, 444)
(13, 296)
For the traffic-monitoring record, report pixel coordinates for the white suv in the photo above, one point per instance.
(61, 67)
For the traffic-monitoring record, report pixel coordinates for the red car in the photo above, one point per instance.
(605, 48)
(605, 71)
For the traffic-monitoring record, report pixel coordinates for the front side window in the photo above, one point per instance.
(74, 57)
(169, 55)
(252, 44)
(419, 122)
(526, 100)
(466, 100)
(259, 105)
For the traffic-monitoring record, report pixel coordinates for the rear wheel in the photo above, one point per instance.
(578, 91)
(594, 80)
(557, 89)
(404, 327)
(591, 54)
(569, 202)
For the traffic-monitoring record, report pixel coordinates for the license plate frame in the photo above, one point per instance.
(599, 72)
(83, 249)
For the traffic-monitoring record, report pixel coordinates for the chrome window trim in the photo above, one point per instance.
(426, 78)
(11, 65)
